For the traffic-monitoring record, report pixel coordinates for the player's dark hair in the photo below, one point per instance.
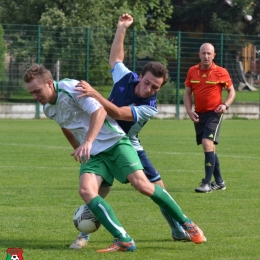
(157, 69)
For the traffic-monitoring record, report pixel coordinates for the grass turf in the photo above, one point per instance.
(39, 182)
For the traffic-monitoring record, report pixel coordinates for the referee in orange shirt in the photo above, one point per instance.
(206, 81)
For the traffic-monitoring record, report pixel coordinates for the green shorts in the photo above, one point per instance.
(117, 162)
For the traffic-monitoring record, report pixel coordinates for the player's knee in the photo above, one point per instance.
(145, 188)
(86, 194)
(160, 183)
(140, 182)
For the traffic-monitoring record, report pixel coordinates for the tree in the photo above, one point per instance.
(148, 14)
(66, 24)
(214, 16)
(2, 53)
(22, 11)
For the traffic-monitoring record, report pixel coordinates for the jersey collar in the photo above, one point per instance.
(213, 66)
(56, 88)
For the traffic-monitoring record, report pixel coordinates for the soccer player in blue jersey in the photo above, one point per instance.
(132, 103)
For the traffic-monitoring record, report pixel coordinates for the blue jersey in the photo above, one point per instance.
(123, 94)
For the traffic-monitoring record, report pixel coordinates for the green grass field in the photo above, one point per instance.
(39, 193)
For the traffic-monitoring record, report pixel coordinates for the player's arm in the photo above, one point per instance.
(115, 112)
(96, 122)
(229, 100)
(188, 104)
(97, 119)
(188, 99)
(231, 95)
(117, 48)
(70, 137)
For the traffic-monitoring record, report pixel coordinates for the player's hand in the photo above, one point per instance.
(194, 116)
(85, 88)
(125, 20)
(220, 109)
(82, 153)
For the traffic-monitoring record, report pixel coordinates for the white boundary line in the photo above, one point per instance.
(157, 152)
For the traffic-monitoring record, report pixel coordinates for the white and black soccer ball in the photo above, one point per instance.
(85, 221)
(14, 257)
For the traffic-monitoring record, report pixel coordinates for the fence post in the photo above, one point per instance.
(178, 77)
(221, 49)
(134, 51)
(259, 103)
(87, 53)
(37, 106)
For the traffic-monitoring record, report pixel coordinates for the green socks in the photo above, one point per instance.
(106, 216)
(166, 202)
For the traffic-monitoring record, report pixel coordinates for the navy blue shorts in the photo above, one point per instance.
(208, 126)
(149, 170)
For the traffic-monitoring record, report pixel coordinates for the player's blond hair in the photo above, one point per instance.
(38, 72)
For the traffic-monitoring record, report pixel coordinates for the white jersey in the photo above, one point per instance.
(74, 113)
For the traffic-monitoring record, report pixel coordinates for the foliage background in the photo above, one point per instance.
(76, 36)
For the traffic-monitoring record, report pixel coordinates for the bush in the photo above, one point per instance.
(167, 94)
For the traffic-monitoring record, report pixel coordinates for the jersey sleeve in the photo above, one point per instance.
(226, 81)
(88, 104)
(143, 113)
(119, 71)
(187, 82)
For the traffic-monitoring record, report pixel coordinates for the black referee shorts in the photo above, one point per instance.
(208, 126)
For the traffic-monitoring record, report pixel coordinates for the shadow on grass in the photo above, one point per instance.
(61, 244)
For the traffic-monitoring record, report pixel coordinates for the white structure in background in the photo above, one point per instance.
(58, 70)
(246, 16)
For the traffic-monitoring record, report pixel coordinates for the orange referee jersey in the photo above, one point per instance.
(207, 86)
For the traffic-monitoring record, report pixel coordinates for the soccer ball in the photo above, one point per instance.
(14, 257)
(85, 221)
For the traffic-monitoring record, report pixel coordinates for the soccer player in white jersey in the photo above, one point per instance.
(132, 102)
(98, 140)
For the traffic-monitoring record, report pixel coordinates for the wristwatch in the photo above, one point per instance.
(227, 107)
